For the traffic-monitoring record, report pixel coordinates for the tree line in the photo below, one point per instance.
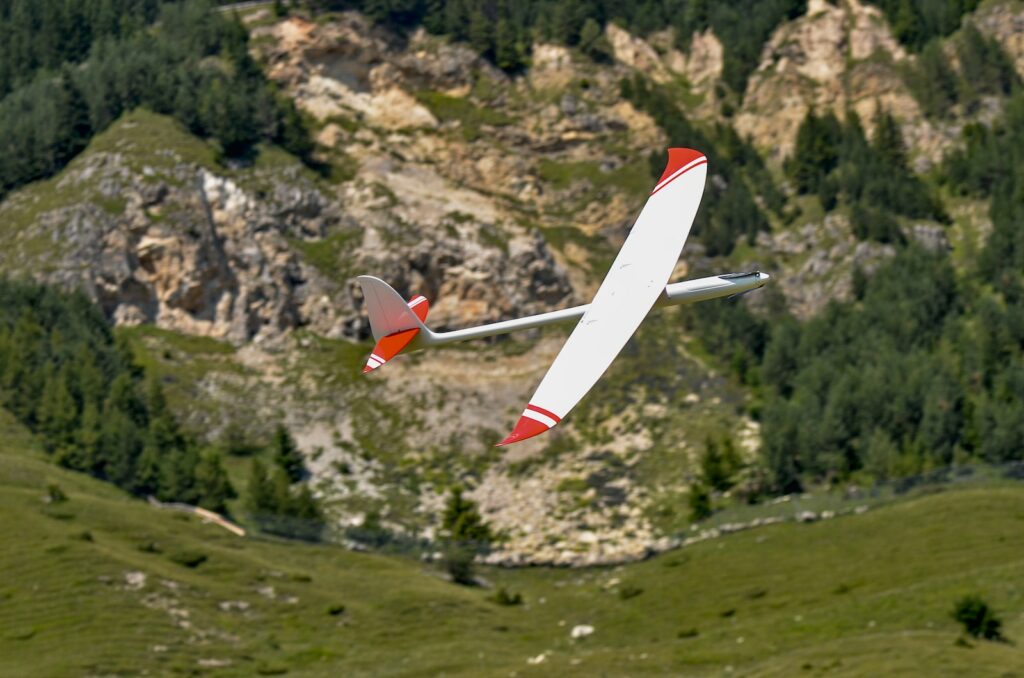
(43, 35)
(984, 69)
(915, 23)
(192, 64)
(923, 368)
(873, 179)
(503, 30)
(729, 210)
(277, 501)
(65, 376)
(78, 387)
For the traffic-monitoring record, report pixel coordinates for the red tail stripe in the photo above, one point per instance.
(546, 413)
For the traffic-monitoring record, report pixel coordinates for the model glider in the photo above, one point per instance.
(636, 283)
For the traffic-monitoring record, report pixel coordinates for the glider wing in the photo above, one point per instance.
(632, 286)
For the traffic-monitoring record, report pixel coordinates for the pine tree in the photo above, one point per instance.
(481, 37)
(700, 502)
(933, 82)
(57, 412)
(120, 442)
(506, 49)
(212, 484)
(287, 455)
(260, 490)
(464, 535)
(592, 41)
(74, 122)
(147, 471)
(84, 454)
(178, 474)
(462, 523)
(309, 517)
(888, 140)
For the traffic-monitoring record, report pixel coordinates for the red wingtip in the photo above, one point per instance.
(367, 368)
(677, 159)
(525, 428)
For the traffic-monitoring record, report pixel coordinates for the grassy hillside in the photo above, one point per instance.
(102, 584)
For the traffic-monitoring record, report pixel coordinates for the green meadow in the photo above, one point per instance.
(104, 584)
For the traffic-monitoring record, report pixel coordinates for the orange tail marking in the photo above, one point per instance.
(390, 346)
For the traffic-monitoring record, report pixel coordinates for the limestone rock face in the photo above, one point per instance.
(659, 59)
(836, 57)
(495, 196)
(636, 53)
(1004, 21)
(223, 253)
(190, 250)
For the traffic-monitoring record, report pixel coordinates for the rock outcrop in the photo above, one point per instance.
(493, 195)
(836, 57)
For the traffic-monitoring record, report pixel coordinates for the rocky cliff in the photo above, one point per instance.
(493, 195)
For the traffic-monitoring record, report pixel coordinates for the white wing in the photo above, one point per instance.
(633, 284)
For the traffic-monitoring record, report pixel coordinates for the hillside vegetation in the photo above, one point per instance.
(98, 583)
(492, 157)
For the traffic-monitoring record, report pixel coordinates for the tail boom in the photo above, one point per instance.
(399, 325)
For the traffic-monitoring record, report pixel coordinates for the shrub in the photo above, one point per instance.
(700, 502)
(55, 495)
(336, 610)
(503, 597)
(629, 591)
(458, 563)
(979, 620)
(188, 558)
(465, 534)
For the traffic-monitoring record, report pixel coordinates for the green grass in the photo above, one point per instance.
(471, 118)
(858, 596)
(331, 255)
(183, 363)
(600, 253)
(139, 133)
(634, 178)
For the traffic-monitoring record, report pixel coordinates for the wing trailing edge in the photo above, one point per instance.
(634, 283)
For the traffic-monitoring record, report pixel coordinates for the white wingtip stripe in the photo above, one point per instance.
(679, 171)
(377, 357)
(417, 301)
(374, 364)
(542, 418)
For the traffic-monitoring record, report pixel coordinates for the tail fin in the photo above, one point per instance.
(393, 321)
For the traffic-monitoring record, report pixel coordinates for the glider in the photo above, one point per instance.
(636, 283)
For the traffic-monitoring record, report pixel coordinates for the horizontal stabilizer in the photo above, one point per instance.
(393, 321)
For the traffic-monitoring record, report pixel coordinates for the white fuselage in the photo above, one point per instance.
(675, 294)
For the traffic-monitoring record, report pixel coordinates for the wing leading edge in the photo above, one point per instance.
(632, 286)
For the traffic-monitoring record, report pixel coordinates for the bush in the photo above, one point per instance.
(979, 620)
(188, 558)
(465, 534)
(336, 610)
(700, 502)
(629, 591)
(503, 597)
(457, 561)
(55, 495)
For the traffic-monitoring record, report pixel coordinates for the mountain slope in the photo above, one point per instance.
(495, 195)
(95, 584)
